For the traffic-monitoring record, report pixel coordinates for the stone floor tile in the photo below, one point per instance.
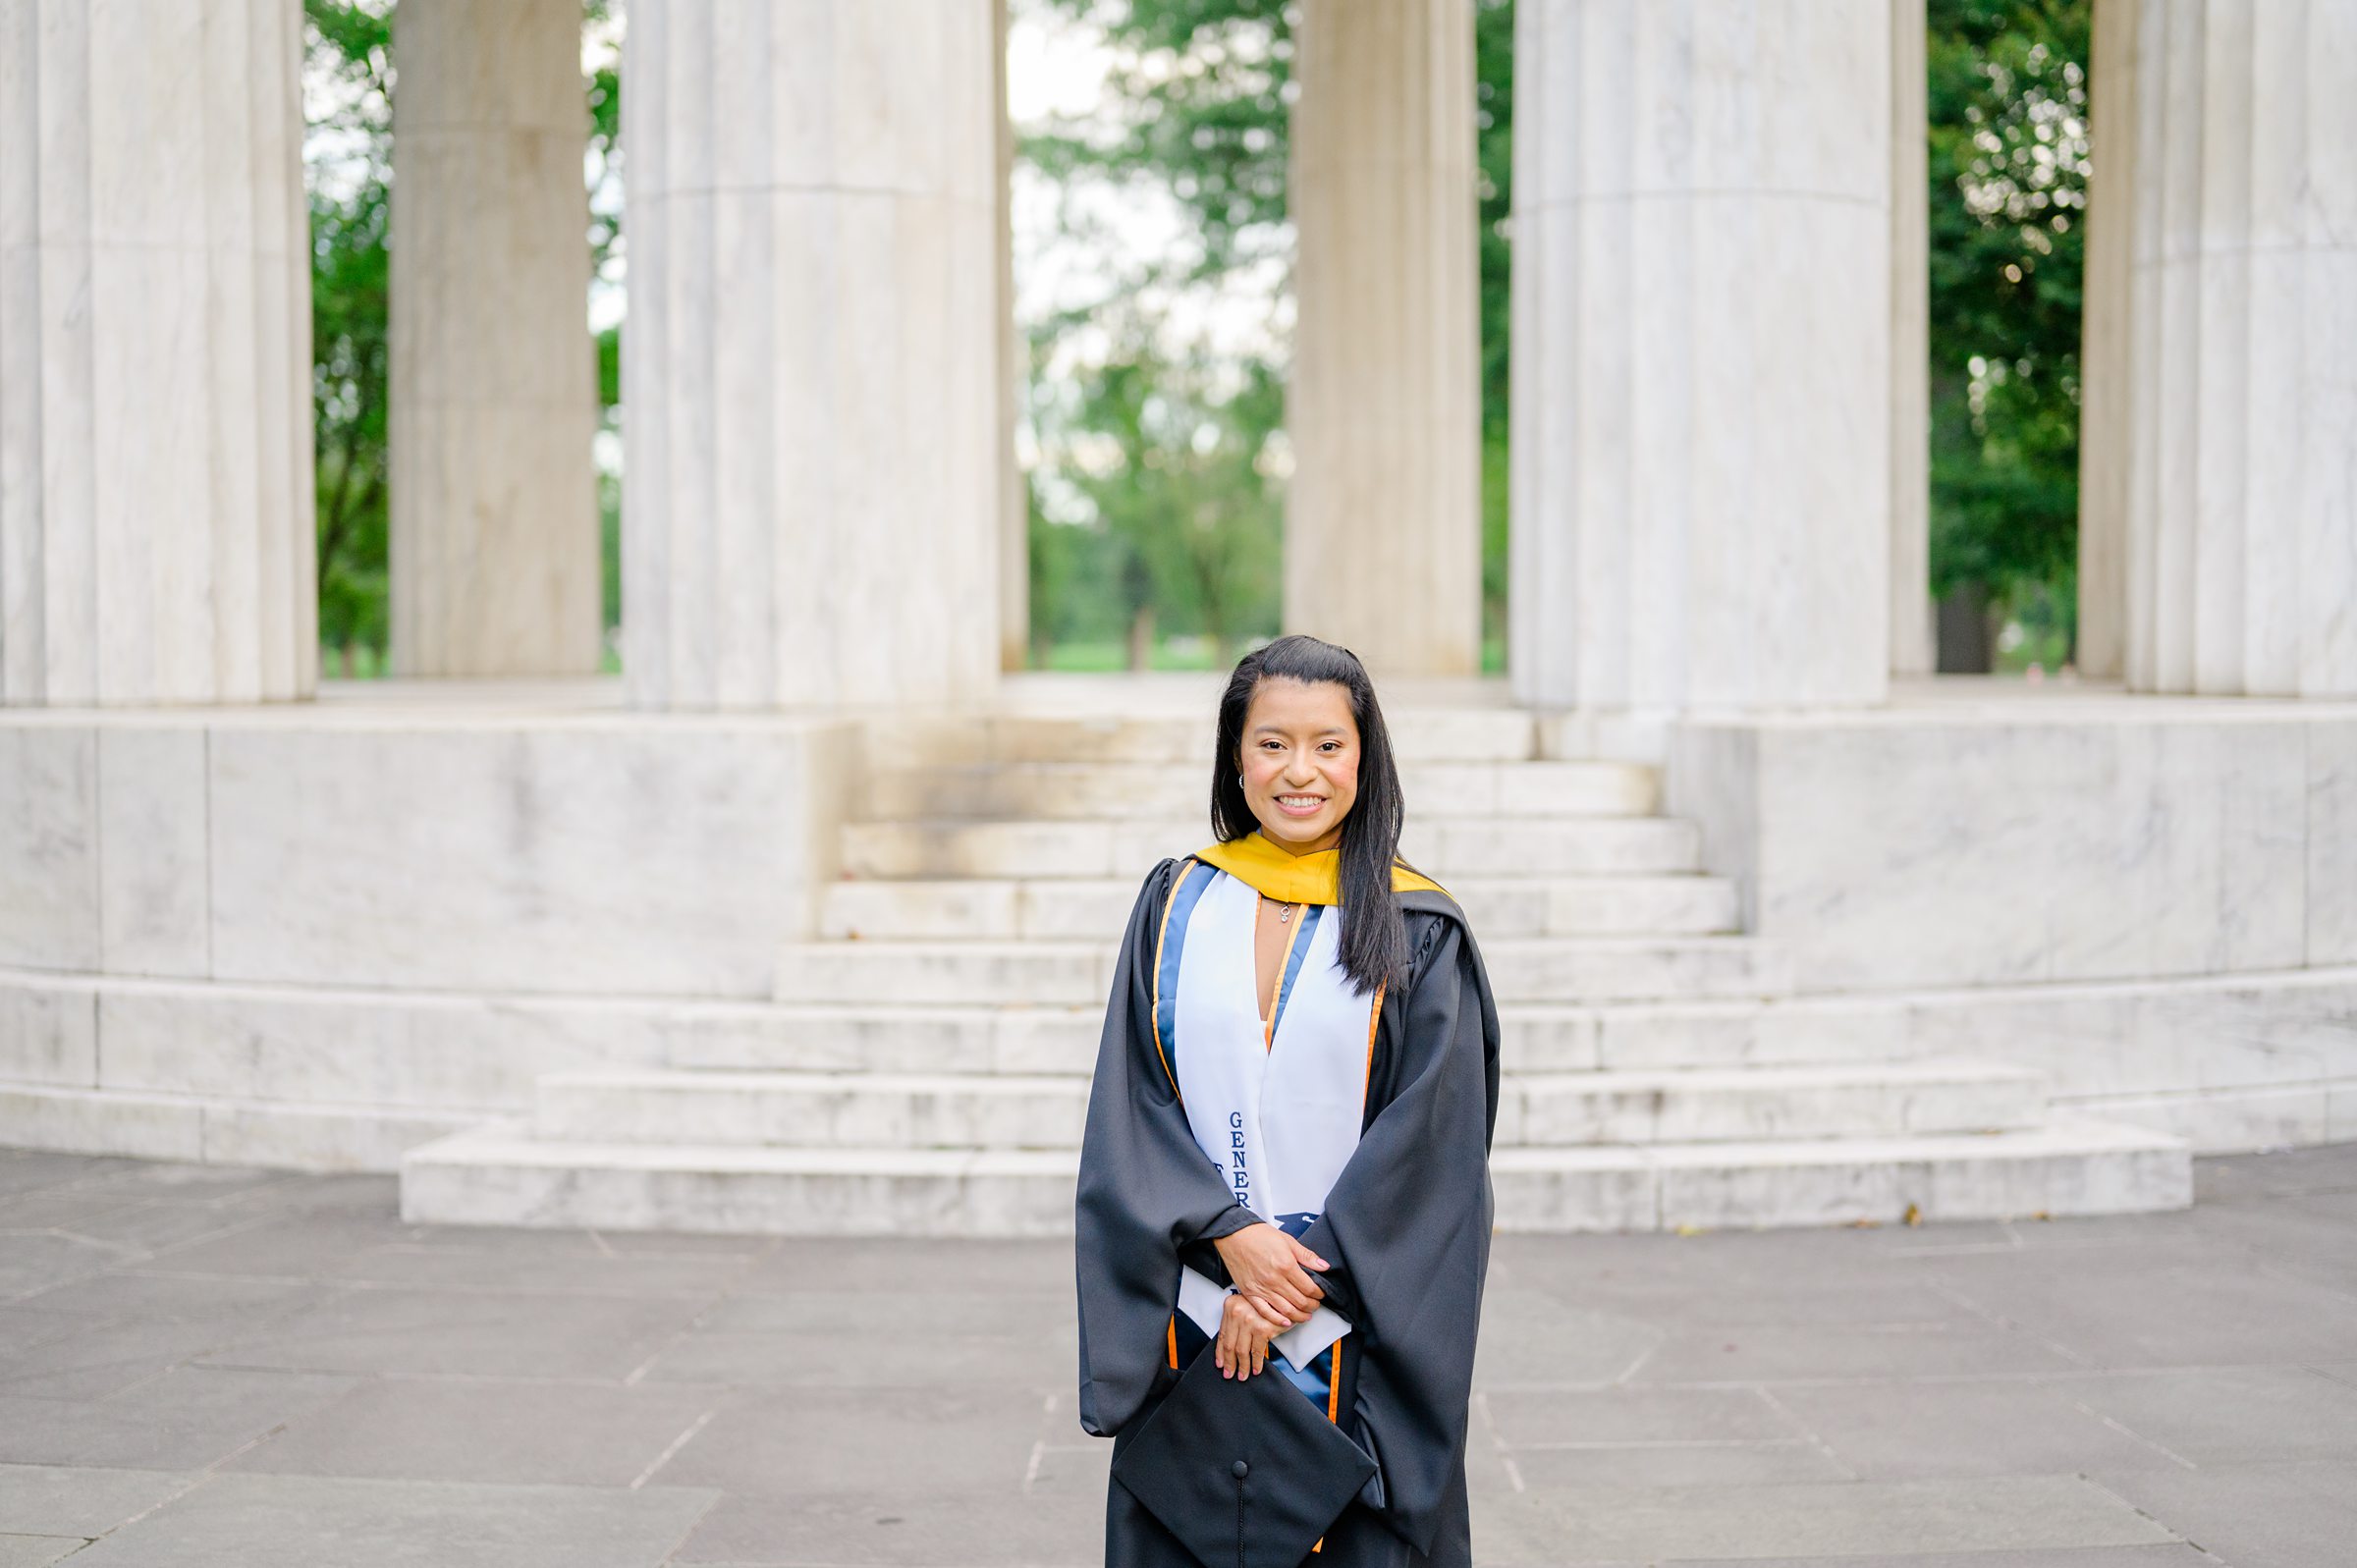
(487, 1333)
(2122, 1308)
(36, 1551)
(2229, 1415)
(926, 1267)
(901, 1527)
(1778, 1353)
(1842, 1519)
(2175, 1554)
(1673, 1464)
(23, 1170)
(78, 1500)
(256, 1520)
(34, 1261)
(115, 1352)
(136, 1231)
(285, 1244)
(846, 1359)
(409, 1262)
(1524, 1417)
(806, 1441)
(188, 1418)
(2301, 1514)
(439, 1429)
(1981, 1427)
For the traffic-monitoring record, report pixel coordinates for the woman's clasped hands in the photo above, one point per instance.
(1272, 1292)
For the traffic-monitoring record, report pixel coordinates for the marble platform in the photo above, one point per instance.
(515, 939)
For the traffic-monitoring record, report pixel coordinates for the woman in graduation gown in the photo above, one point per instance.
(1315, 1167)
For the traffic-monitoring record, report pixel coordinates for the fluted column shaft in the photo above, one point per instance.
(1912, 649)
(156, 534)
(494, 546)
(2241, 570)
(1383, 518)
(1701, 455)
(812, 361)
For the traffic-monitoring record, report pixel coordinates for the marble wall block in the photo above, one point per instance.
(156, 538)
(600, 857)
(1702, 316)
(1926, 849)
(363, 1046)
(48, 1032)
(49, 882)
(154, 874)
(2332, 818)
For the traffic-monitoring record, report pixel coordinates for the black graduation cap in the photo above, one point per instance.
(1245, 1471)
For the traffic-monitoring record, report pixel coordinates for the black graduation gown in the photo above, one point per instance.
(1405, 1229)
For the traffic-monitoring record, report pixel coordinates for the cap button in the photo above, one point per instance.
(1239, 1470)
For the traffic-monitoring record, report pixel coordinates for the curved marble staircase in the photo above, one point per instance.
(924, 1068)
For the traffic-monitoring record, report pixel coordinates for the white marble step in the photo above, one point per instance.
(499, 1176)
(1520, 969)
(953, 1037)
(1040, 1110)
(1080, 907)
(1182, 737)
(1161, 790)
(1100, 846)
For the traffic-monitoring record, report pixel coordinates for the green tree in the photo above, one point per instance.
(2009, 153)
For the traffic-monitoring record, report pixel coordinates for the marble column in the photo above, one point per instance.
(494, 547)
(811, 508)
(2241, 559)
(2104, 322)
(1014, 372)
(1383, 516)
(1912, 645)
(1702, 367)
(156, 534)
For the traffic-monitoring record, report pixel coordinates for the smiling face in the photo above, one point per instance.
(1301, 761)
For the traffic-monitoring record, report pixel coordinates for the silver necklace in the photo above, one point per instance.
(1285, 911)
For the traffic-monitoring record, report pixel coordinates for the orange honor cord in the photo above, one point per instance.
(1172, 1329)
(1374, 1018)
(1334, 1398)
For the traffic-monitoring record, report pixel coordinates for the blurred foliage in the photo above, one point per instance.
(351, 46)
(2008, 112)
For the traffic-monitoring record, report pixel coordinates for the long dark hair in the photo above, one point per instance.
(1374, 938)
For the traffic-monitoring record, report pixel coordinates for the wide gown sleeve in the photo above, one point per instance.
(1146, 1188)
(1406, 1231)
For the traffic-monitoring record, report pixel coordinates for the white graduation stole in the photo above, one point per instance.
(1279, 1120)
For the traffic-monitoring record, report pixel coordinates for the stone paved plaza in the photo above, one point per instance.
(203, 1365)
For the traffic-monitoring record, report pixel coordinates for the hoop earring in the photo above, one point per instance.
(1240, 781)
